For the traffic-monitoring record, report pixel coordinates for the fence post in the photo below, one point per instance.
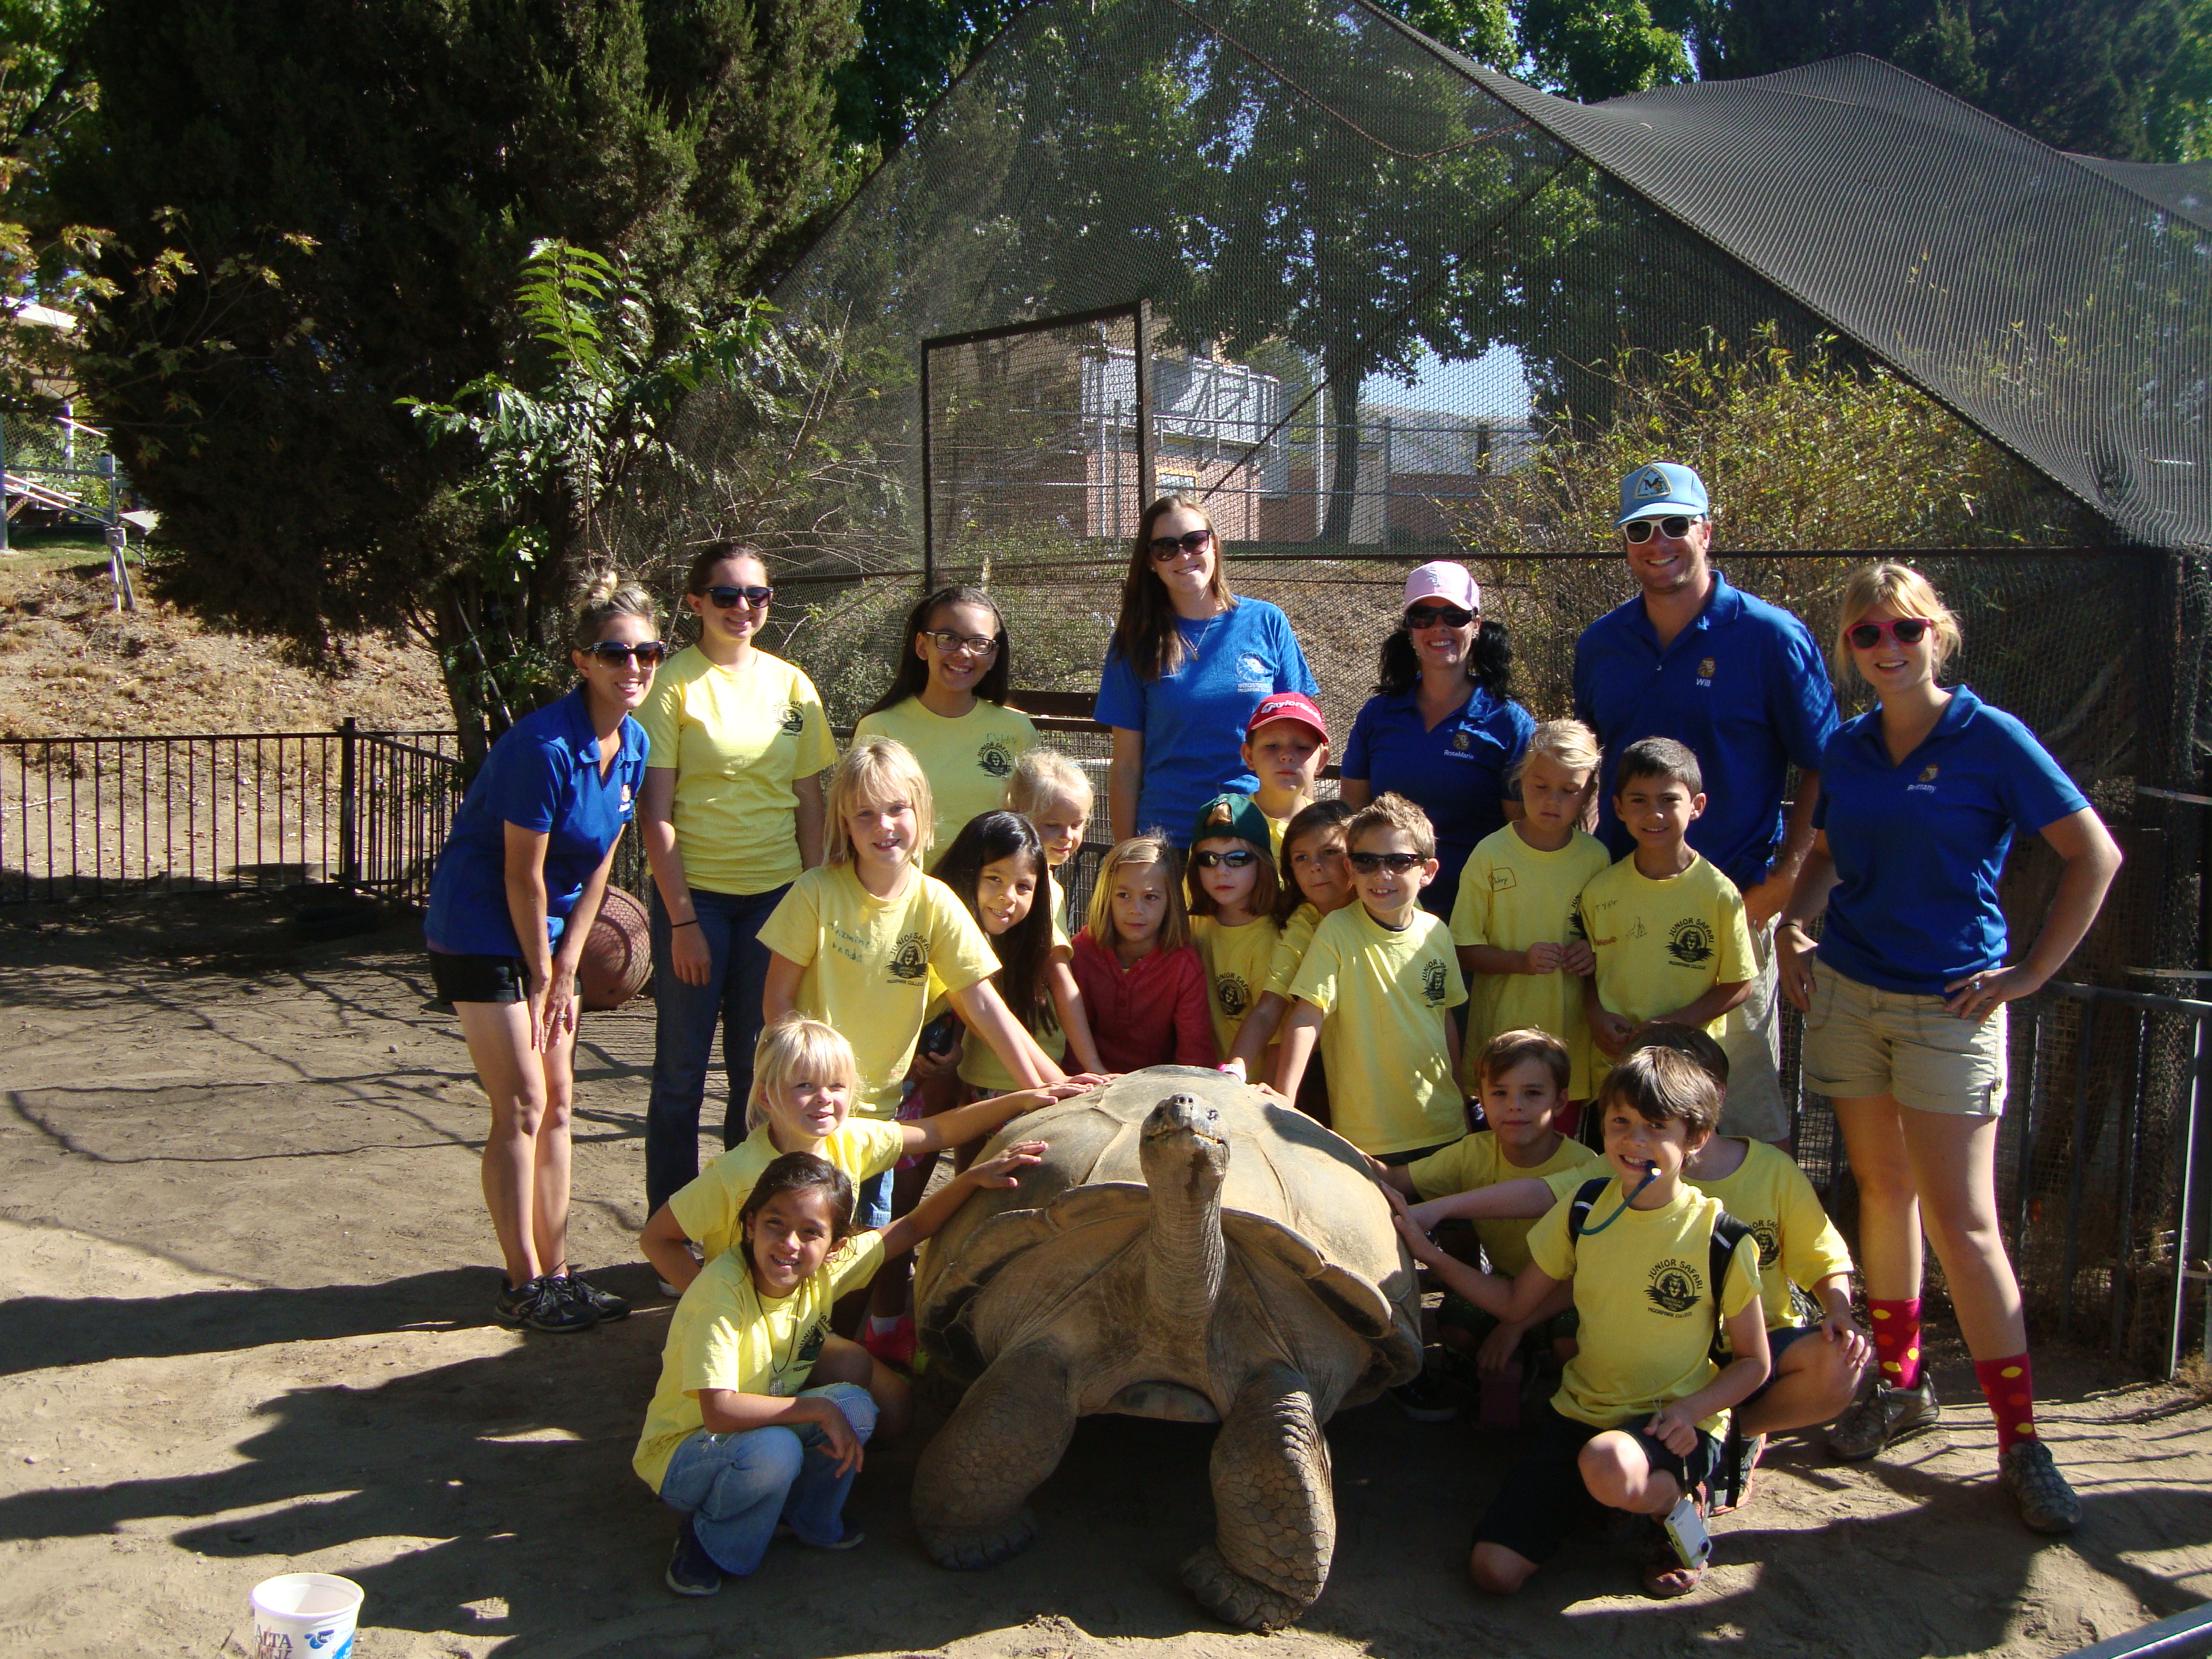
(348, 794)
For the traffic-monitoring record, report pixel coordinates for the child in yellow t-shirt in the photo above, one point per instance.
(1666, 927)
(741, 1436)
(947, 705)
(1377, 987)
(1313, 880)
(1636, 1421)
(1285, 745)
(855, 942)
(1232, 891)
(1513, 920)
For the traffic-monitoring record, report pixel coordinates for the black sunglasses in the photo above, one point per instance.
(1428, 615)
(727, 599)
(1396, 863)
(1191, 541)
(1637, 532)
(613, 653)
(1906, 630)
(1231, 861)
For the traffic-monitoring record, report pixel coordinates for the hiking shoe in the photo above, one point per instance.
(554, 1310)
(2046, 1502)
(1423, 1400)
(1883, 1416)
(691, 1570)
(605, 1304)
(895, 1346)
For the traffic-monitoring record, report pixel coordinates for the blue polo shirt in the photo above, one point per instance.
(1192, 720)
(1456, 773)
(543, 773)
(1918, 848)
(1743, 686)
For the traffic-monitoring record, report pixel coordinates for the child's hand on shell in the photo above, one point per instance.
(1081, 1083)
(999, 1171)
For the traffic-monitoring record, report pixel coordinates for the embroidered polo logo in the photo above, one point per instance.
(1690, 942)
(1674, 1288)
(1432, 983)
(1926, 785)
(996, 759)
(1650, 485)
(1770, 1243)
(1928, 775)
(793, 719)
(1706, 672)
(1459, 741)
(910, 961)
(1503, 880)
(1234, 995)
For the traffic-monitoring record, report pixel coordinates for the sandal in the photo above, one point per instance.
(1664, 1575)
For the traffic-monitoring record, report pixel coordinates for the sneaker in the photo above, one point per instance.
(691, 1570)
(558, 1312)
(1423, 1400)
(852, 1538)
(605, 1304)
(895, 1346)
(515, 1301)
(2046, 1502)
(1883, 1416)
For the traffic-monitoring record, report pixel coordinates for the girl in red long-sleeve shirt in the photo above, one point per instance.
(1141, 979)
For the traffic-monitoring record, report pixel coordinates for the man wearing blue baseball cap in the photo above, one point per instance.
(1743, 684)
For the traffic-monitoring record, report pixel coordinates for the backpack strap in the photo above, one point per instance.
(1728, 1233)
(1586, 1197)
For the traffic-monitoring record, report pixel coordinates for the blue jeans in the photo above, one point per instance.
(685, 1016)
(736, 1487)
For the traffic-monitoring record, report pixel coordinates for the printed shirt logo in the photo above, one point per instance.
(1252, 667)
(793, 719)
(1769, 1241)
(1651, 485)
(1690, 942)
(1503, 880)
(1234, 995)
(1674, 1287)
(910, 961)
(1433, 982)
(995, 759)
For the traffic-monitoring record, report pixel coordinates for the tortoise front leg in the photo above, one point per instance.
(1275, 1514)
(1009, 1433)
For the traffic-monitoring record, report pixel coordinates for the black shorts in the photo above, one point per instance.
(461, 978)
(1779, 1339)
(1544, 1499)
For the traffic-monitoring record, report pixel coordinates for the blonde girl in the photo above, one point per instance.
(1233, 887)
(1052, 792)
(854, 943)
(1142, 981)
(1314, 880)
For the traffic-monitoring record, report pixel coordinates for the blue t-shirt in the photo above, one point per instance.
(1743, 686)
(1192, 720)
(1455, 774)
(543, 773)
(1918, 848)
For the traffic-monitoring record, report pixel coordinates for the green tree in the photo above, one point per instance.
(318, 208)
(45, 90)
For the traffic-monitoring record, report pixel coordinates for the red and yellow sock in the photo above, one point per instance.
(1897, 1340)
(2009, 1386)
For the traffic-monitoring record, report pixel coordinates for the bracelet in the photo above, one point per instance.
(673, 926)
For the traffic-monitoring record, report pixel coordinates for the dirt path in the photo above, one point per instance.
(245, 1332)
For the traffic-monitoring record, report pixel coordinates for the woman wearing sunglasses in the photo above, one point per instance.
(1904, 1001)
(1189, 664)
(732, 813)
(1440, 729)
(511, 901)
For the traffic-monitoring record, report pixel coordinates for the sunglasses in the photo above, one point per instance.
(614, 654)
(1396, 863)
(1428, 615)
(1191, 541)
(1637, 532)
(1232, 860)
(1906, 630)
(727, 599)
(981, 645)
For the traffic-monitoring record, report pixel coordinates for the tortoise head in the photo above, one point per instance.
(1183, 1144)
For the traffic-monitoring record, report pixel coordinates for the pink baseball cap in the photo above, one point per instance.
(1443, 580)
(1286, 706)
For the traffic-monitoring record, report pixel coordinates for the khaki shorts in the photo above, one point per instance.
(1861, 1043)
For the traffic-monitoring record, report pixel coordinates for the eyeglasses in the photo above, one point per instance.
(1429, 615)
(981, 645)
(614, 654)
(1637, 532)
(1191, 541)
(1906, 630)
(1396, 863)
(726, 598)
(1232, 860)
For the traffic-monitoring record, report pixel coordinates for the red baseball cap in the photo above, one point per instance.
(1286, 706)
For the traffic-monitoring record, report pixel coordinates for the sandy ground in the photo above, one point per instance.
(245, 1332)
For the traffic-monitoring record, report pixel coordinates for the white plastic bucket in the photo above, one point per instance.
(304, 1615)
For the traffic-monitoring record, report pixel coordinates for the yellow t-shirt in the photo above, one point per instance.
(706, 1206)
(868, 963)
(736, 740)
(982, 1069)
(1647, 1313)
(1388, 997)
(1236, 961)
(1797, 1243)
(725, 1335)
(1275, 828)
(1661, 943)
(1290, 946)
(967, 760)
(1478, 1160)
(1512, 896)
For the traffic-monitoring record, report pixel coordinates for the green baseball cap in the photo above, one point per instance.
(1232, 815)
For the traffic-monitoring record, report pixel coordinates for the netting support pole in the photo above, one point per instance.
(1147, 481)
(928, 478)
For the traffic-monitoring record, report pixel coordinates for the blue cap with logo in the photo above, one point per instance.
(1661, 488)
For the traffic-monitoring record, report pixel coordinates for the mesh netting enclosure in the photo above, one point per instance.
(1370, 304)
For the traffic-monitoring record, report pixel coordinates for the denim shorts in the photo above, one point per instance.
(872, 1203)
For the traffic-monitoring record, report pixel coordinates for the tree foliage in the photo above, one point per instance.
(44, 91)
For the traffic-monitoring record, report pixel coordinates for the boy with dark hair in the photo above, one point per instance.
(1659, 1269)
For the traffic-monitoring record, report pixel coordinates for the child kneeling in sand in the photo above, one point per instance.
(736, 1441)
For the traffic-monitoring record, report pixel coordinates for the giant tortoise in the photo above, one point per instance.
(1192, 1249)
